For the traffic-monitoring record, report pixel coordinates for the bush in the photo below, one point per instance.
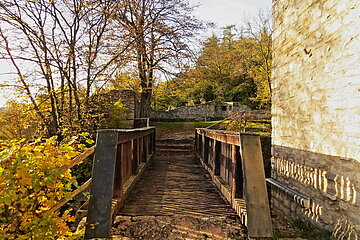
(30, 185)
(246, 122)
(238, 122)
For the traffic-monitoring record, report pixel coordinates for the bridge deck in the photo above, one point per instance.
(176, 199)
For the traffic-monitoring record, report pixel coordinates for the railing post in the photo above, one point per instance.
(154, 141)
(205, 149)
(228, 165)
(237, 188)
(135, 163)
(151, 143)
(145, 148)
(119, 175)
(257, 203)
(196, 141)
(101, 190)
(217, 152)
(126, 159)
(199, 146)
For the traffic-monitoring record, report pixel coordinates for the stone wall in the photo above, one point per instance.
(201, 112)
(104, 103)
(316, 111)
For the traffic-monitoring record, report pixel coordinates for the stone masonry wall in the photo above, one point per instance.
(107, 100)
(201, 112)
(316, 111)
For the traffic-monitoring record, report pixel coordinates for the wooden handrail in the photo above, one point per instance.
(73, 194)
(118, 156)
(75, 161)
(235, 163)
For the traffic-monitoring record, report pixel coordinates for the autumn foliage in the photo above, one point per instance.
(31, 184)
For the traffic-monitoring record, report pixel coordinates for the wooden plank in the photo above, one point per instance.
(154, 141)
(217, 147)
(129, 135)
(222, 136)
(119, 175)
(73, 194)
(129, 154)
(142, 150)
(101, 189)
(228, 164)
(205, 150)
(196, 142)
(199, 143)
(257, 204)
(233, 174)
(135, 162)
(78, 159)
(126, 157)
(237, 187)
(145, 147)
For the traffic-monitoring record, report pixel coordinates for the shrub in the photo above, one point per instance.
(238, 122)
(30, 185)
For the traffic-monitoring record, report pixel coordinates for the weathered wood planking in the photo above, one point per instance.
(241, 154)
(77, 159)
(220, 136)
(257, 204)
(130, 134)
(117, 157)
(101, 190)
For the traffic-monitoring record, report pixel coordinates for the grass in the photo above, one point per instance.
(260, 127)
(263, 128)
(180, 126)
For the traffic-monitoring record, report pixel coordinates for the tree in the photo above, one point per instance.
(259, 29)
(219, 73)
(229, 68)
(60, 49)
(159, 33)
(18, 121)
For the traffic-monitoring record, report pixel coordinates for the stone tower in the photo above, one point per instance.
(316, 111)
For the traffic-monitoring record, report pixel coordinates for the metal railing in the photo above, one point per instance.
(235, 163)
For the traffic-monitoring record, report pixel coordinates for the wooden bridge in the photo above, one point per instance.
(212, 187)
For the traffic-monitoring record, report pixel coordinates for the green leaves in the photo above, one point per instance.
(229, 68)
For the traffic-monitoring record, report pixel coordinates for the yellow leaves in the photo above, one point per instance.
(30, 185)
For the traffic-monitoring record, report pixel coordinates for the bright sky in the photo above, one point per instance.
(220, 12)
(228, 12)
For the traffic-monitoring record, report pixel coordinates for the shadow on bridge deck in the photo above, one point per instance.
(176, 199)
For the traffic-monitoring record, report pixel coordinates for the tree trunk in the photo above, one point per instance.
(145, 103)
